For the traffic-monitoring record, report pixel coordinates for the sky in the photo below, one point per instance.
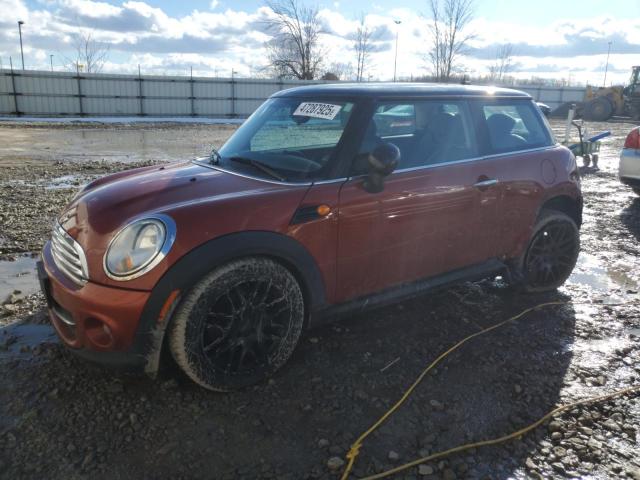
(556, 39)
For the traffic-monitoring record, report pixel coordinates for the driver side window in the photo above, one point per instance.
(427, 132)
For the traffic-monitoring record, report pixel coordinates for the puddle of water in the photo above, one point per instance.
(122, 144)
(67, 181)
(19, 274)
(609, 284)
(58, 183)
(17, 339)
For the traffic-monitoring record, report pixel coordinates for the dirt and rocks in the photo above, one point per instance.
(63, 418)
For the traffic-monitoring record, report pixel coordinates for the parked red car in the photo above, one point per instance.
(306, 213)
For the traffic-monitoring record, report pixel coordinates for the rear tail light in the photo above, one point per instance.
(633, 139)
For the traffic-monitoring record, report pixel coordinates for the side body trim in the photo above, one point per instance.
(406, 291)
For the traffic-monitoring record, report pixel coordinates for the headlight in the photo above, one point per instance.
(139, 247)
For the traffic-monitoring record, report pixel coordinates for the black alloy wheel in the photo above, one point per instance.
(245, 325)
(239, 324)
(552, 252)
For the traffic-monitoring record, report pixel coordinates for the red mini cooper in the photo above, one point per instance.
(328, 199)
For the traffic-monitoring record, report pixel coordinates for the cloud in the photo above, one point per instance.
(224, 36)
(12, 11)
(574, 44)
(187, 44)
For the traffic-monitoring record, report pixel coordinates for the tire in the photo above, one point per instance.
(586, 160)
(238, 325)
(634, 109)
(636, 190)
(599, 109)
(551, 254)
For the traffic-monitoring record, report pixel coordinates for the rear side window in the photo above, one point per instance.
(514, 126)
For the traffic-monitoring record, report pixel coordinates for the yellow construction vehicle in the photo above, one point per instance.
(602, 103)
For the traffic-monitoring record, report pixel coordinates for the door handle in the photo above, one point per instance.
(485, 183)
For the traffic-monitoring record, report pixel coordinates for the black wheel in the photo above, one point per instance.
(636, 190)
(594, 158)
(551, 254)
(238, 325)
(599, 109)
(586, 160)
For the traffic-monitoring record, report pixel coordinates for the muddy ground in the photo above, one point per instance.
(63, 418)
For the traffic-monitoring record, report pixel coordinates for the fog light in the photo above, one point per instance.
(98, 333)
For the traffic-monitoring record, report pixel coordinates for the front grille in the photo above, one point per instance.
(69, 256)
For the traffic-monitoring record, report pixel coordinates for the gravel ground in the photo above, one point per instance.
(63, 418)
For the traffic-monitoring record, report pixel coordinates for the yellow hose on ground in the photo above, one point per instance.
(355, 448)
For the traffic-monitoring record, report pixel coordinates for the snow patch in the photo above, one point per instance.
(125, 120)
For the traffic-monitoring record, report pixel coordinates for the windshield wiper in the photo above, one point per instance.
(260, 166)
(214, 157)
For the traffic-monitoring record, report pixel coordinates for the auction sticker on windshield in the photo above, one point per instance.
(318, 110)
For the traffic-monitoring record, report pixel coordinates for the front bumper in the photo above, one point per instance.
(96, 322)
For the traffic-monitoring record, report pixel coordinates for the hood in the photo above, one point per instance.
(113, 201)
(204, 202)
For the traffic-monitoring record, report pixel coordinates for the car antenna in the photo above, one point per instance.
(214, 156)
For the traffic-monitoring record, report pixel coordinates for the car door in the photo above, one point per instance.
(430, 217)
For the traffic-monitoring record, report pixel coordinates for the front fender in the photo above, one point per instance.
(197, 263)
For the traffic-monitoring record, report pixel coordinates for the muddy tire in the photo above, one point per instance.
(586, 160)
(552, 253)
(636, 191)
(238, 325)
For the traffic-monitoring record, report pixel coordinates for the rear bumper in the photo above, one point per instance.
(95, 322)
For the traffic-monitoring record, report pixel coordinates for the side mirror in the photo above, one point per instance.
(381, 162)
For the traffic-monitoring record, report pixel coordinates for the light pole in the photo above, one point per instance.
(20, 23)
(606, 68)
(395, 61)
(51, 58)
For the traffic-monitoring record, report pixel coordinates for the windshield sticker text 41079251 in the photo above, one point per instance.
(318, 110)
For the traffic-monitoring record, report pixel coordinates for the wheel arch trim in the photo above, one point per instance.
(564, 203)
(184, 273)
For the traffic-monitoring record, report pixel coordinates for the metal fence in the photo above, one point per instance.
(552, 96)
(32, 92)
(42, 93)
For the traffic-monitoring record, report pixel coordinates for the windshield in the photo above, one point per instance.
(294, 138)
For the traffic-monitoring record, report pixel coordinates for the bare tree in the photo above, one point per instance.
(90, 54)
(362, 46)
(294, 51)
(502, 63)
(449, 38)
